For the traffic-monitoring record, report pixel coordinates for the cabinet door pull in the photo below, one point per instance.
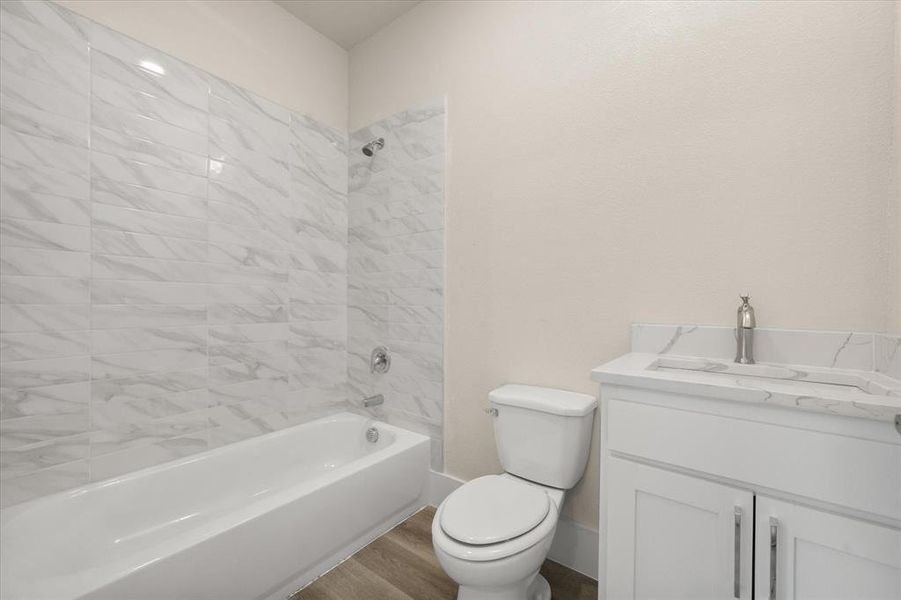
(736, 575)
(774, 538)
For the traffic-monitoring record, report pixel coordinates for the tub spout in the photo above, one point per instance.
(373, 401)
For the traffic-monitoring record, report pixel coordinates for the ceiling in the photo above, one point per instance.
(347, 22)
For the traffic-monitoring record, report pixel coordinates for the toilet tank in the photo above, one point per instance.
(543, 434)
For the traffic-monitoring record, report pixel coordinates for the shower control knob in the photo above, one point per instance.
(379, 360)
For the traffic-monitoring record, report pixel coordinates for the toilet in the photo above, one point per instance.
(492, 534)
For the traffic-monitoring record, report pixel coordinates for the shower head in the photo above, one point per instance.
(374, 146)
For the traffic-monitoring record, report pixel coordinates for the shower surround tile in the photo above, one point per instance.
(182, 267)
(45, 248)
(395, 292)
(174, 257)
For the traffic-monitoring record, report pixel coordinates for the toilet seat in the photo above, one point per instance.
(493, 509)
(530, 537)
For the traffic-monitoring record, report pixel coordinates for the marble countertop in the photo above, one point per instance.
(863, 394)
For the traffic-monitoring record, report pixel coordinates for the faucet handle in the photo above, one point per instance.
(746, 317)
(379, 360)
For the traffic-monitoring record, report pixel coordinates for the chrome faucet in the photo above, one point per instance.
(744, 332)
(371, 401)
(379, 360)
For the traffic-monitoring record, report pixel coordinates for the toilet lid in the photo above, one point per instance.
(493, 509)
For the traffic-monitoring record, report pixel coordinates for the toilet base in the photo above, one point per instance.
(540, 589)
(537, 589)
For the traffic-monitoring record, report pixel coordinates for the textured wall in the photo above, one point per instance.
(173, 257)
(894, 215)
(253, 43)
(396, 268)
(619, 162)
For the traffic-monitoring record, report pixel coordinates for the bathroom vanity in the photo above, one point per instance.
(721, 480)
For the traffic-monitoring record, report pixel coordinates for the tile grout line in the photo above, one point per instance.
(207, 286)
(91, 416)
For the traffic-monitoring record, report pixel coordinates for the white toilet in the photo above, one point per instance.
(492, 534)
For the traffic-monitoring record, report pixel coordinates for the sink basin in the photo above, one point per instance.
(843, 392)
(832, 378)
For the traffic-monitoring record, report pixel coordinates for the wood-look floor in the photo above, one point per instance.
(400, 565)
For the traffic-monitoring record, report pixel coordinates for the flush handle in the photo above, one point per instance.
(491, 411)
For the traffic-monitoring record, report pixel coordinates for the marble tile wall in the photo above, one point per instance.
(396, 269)
(174, 252)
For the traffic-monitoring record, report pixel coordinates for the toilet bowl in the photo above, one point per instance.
(492, 534)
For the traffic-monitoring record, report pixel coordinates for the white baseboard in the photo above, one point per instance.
(575, 546)
(440, 486)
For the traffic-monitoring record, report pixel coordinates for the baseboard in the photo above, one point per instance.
(440, 486)
(575, 546)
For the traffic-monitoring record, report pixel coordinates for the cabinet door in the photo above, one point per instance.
(819, 555)
(675, 536)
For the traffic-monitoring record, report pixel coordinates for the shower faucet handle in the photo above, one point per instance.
(379, 360)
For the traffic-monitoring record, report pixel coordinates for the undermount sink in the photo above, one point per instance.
(817, 377)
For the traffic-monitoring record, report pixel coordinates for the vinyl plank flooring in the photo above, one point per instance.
(567, 584)
(406, 571)
(401, 565)
(416, 535)
(355, 582)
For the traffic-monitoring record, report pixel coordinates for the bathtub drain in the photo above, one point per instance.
(372, 435)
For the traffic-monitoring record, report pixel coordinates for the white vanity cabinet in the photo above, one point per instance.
(674, 536)
(703, 498)
(811, 554)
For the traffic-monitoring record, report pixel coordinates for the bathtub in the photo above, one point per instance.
(255, 519)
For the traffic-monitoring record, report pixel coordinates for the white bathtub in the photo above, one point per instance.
(256, 519)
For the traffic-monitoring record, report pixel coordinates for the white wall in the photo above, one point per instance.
(895, 205)
(611, 162)
(254, 43)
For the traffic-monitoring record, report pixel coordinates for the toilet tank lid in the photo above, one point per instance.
(549, 400)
